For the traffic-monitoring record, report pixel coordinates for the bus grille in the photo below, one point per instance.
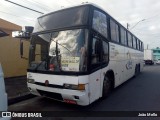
(56, 96)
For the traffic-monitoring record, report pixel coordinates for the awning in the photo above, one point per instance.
(2, 33)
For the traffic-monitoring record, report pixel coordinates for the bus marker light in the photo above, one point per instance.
(81, 87)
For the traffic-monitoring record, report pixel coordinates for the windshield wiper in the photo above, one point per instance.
(57, 56)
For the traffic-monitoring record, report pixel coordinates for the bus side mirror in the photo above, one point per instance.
(24, 34)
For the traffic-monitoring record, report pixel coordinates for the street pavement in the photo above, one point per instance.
(137, 94)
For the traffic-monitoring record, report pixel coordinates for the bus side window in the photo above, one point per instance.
(105, 52)
(95, 51)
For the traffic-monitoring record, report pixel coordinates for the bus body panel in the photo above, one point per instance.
(123, 61)
(94, 85)
(67, 94)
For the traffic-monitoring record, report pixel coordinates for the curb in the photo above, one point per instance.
(14, 100)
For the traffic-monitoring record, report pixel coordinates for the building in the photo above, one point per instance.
(156, 53)
(13, 65)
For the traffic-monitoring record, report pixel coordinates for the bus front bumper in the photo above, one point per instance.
(64, 95)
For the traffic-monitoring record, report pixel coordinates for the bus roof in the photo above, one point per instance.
(68, 7)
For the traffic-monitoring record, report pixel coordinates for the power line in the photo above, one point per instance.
(15, 15)
(42, 5)
(37, 5)
(24, 6)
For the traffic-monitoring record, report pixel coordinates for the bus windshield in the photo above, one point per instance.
(59, 51)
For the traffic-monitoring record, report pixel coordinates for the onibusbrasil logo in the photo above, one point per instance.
(19, 114)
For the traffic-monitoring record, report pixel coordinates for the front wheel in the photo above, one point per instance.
(106, 87)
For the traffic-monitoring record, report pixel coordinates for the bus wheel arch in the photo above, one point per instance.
(108, 83)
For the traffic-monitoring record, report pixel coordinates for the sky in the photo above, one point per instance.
(143, 16)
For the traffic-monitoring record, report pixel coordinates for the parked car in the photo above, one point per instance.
(158, 61)
(3, 96)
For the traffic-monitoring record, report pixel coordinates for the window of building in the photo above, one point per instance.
(100, 23)
(123, 36)
(130, 40)
(154, 51)
(114, 31)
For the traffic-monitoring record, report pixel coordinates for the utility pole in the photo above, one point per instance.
(128, 26)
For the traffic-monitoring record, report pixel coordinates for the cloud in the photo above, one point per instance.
(124, 11)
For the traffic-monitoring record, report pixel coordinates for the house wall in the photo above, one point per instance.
(12, 64)
(156, 53)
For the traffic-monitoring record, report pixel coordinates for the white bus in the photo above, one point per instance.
(79, 54)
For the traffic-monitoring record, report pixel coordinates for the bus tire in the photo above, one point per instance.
(106, 87)
(137, 70)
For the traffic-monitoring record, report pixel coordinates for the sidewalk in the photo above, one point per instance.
(16, 89)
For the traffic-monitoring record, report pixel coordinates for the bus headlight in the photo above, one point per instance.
(74, 87)
(31, 81)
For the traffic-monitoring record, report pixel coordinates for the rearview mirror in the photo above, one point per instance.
(24, 34)
(21, 34)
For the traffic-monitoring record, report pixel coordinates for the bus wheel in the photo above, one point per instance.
(106, 87)
(137, 70)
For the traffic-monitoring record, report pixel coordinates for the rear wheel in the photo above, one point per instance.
(137, 70)
(106, 87)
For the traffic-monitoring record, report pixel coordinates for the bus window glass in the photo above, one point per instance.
(114, 31)
(140, 45)
(59, 51)
(104, 52)
(123, 36)
(137, 44)
(71, 50)
(129, 40)
(100, 23)
(134, 43)
(95, 51)
(38, 51)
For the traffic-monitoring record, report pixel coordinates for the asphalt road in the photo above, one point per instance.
(137, 94)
